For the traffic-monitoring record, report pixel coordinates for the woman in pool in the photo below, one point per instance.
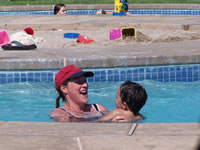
(60, 9)
(72, 86)
(130, 98)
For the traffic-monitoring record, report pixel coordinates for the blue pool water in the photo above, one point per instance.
(167, 102)
(174, 92)
(93, 12)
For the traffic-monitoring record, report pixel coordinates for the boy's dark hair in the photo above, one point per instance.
(57, 7)
(134, 95)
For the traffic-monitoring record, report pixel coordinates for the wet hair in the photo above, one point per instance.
(57, 8)
(61, 95)
(134, 95)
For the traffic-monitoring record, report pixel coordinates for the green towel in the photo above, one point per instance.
(125, 5)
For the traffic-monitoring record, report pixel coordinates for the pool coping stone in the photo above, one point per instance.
(87, 136)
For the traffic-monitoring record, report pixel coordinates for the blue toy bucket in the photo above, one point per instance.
(71, 35)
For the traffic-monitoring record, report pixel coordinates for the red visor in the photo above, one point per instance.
(69, 72)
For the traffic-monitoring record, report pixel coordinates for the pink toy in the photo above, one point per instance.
(4, 38)
(115, 34)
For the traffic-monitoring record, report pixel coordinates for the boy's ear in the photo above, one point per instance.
(125, 106)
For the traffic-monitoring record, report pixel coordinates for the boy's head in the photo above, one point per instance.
(134, 95)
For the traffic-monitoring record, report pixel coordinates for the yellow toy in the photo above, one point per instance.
(118, 6)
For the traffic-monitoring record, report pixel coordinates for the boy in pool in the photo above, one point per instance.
(130, 98)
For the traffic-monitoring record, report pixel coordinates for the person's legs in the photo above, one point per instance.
(103, 12)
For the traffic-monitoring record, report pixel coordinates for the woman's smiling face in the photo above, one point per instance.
(78, 90)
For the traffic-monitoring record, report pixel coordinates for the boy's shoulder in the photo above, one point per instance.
(119, 111)
(128, 115)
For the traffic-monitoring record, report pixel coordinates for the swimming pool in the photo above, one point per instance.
(173, 92)
(93, 12)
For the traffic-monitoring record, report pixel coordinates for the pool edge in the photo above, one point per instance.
(89, 135)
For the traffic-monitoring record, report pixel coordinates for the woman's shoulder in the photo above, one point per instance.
(99, 107)
(56, 111)
(59, 114)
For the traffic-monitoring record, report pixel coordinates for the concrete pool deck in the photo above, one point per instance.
(89, 136)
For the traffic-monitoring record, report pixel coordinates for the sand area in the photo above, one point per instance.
(101, 37)
(49, 30)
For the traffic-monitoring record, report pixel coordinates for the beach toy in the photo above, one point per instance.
(128, 31)
(115, 34)
(119, 14)
(4, 38)
(84, 39)
(71, 35)
(29, 30)
(118, 6)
